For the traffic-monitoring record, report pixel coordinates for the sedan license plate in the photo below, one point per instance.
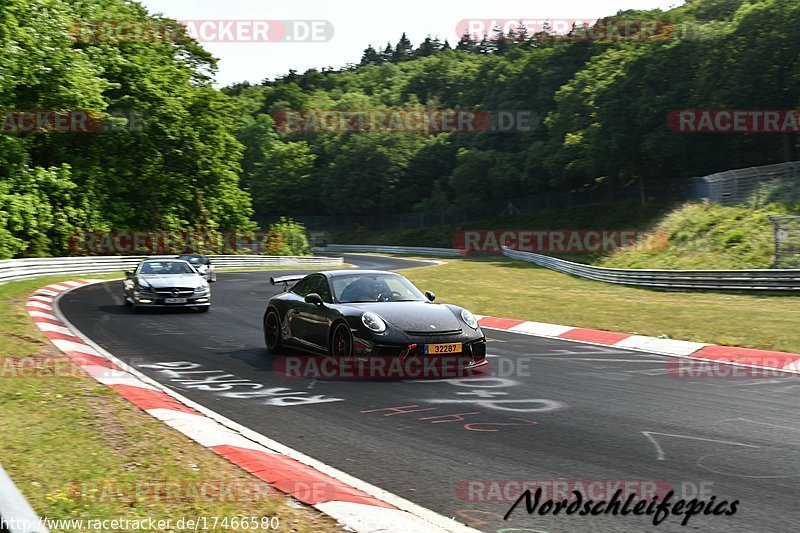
(174, 300)
(433, 349)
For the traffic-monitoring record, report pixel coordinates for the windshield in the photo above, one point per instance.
(166, 268)
(193, 259)
(375, 288)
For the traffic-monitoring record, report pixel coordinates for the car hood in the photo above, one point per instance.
(417, 317)
(174, 280)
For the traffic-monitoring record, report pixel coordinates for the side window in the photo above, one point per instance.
(303, 287)
(311, 284)
(321, 287)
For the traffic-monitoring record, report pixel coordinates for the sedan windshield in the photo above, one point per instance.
(166, 268)
(375, 288)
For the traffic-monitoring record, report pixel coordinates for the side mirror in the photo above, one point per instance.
(430, 296)
(315, 299)
(129, 274)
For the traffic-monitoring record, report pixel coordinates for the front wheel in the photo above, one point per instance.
(272, 332)
(341, 342)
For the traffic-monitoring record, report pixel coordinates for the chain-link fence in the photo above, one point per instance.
(756, 186)
(489, 208)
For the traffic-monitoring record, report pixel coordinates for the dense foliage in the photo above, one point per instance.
(602, 106)
(173, 153)
(165, 158)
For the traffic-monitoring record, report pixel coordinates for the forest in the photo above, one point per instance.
(166, 150)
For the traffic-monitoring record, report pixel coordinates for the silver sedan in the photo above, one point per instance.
(166, 283)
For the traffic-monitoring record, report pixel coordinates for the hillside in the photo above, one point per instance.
(699, 236)
(596, 113)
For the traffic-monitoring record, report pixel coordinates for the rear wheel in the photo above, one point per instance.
(272, 332)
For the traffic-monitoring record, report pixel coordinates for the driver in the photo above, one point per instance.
(377, 289)
(366, 290)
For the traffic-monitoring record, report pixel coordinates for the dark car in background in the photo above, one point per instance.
(203, 265)
(163, 283)
(349, 314)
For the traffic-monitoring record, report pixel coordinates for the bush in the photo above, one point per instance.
(287, 237)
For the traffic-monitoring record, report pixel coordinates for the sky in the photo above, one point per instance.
(344, 28)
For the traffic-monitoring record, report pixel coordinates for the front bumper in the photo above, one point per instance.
(411, 353)
(144, 300)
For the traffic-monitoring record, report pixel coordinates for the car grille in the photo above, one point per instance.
(175, 292)
(435, 333)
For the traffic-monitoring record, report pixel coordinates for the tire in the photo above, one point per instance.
(128, 303)
(341, 342)
(272, 332)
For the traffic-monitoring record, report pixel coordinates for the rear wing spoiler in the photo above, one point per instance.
(286, 280)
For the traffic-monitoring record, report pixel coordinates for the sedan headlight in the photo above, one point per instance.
(145, 288)
(469, 319)
(373, 322)
(201, 288)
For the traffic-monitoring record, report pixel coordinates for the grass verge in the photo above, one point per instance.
(515, 289)
(78, 450)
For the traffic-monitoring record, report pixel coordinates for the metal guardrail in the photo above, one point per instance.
(678, 280)
(16, 515)
(17, 269)
(369, 248)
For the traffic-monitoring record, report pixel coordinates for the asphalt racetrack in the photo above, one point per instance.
(553, 413)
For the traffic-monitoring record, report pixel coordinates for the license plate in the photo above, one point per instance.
(433, 349)
(174, 300)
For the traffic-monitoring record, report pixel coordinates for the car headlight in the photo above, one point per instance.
(146, 288)
(201, 288)
(373, 322)
(469, 319)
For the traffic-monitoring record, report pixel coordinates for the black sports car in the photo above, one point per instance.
(353, 314)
